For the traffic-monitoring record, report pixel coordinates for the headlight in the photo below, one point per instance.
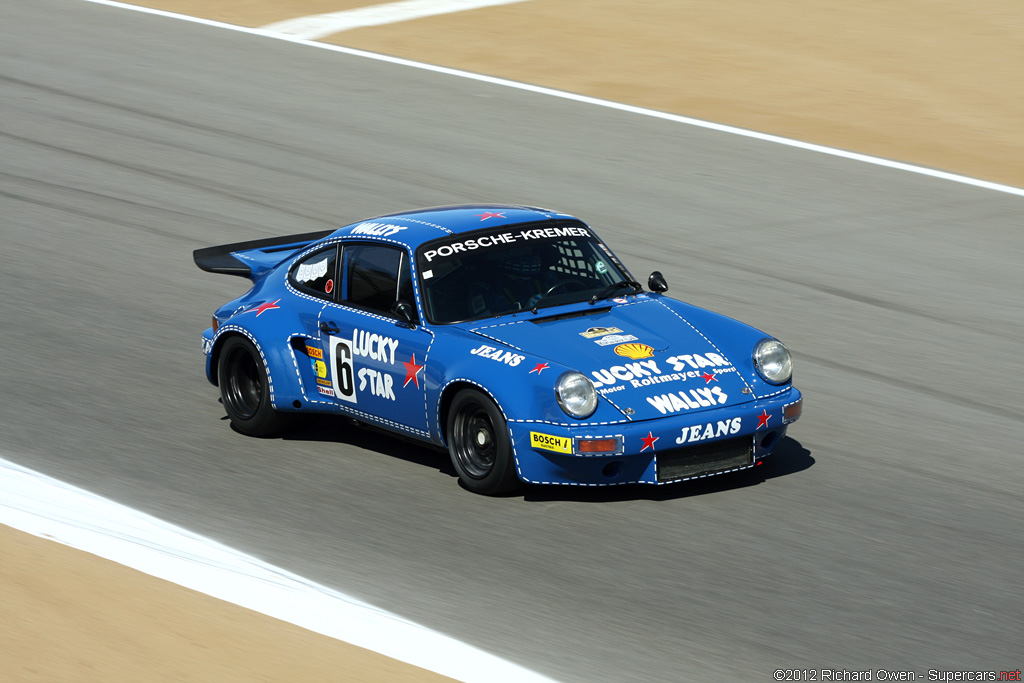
(576, 394)
(771, 358)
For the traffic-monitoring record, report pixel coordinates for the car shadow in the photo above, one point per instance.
(341, 430)
(789, 457)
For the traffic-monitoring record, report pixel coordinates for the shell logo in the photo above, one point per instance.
(634, 350)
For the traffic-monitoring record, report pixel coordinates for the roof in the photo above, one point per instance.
(415, 227)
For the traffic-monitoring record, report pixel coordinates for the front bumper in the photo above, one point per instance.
(660, 451)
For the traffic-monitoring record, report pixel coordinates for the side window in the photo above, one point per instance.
(373, 275)
(316, 273)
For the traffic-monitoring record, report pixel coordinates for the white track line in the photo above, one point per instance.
(46, 507)
(900, 166)
(317, 26)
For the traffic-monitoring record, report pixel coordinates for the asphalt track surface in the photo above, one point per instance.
(885, 533)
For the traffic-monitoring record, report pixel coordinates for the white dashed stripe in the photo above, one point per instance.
(711, 343)
(266, 366)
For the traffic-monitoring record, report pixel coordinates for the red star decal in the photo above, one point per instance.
(649, 441)
(485, 216)
(264, 307)
(762, 419)
(709, 377)
(410, 372)
(541, 367)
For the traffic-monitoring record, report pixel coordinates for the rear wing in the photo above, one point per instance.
(255, 258)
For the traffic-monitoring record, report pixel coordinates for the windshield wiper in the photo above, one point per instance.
(614, 287)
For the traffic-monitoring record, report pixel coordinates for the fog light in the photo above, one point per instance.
(612, 469)
(606, 446)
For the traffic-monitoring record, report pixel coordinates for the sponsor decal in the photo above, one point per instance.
(593, 332)
(547, 442)
(649, 441)
(614, 339)
(411, 369)
(312, 271)
(620, 299)
(363, 344)
(762, 419)
(625, 373)
(325, 382)
(688, 400)
(319, 367)
(542, 233)
(488, 214)
(611, 390)
(634, 350)
(377, 229)
(326, 391)
(506, 357)
(698, 361)
(207, 346)
(541, 367)
(374, 346)
(499, 239)
(262, 308)
(329, 286)
(709, 430)
(600, 267)
(646, 373)
(343, 371)
(314, 352)
(380, 384)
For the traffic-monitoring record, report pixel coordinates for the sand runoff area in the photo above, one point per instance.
(935, 83)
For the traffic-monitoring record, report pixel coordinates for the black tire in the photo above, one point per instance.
(480, 446)
(245, 390)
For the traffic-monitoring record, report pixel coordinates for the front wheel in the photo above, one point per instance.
(245, 390)
(480, 446)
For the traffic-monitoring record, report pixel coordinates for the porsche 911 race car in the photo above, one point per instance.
(511, 336)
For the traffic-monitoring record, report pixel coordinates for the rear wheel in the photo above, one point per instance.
(245, 389)
(480, 445)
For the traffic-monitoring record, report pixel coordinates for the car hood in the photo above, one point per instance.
(641, 356)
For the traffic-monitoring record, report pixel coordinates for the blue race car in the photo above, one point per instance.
(509, 335)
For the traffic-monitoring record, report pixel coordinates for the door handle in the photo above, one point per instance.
(329, 327)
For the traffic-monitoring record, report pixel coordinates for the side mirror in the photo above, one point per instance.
(656, 282)
(404, 311)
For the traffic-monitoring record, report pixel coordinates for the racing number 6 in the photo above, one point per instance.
(341, 367)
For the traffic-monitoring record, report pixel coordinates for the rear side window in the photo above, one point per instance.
(375, 277)
(316, 274)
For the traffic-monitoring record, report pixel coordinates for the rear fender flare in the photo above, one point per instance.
(276, 358)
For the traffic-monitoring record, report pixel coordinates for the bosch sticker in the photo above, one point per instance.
(547, 442)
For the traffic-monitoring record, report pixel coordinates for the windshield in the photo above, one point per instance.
(489, 273)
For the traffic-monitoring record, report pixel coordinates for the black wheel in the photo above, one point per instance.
(480, 446)
(245, 389)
